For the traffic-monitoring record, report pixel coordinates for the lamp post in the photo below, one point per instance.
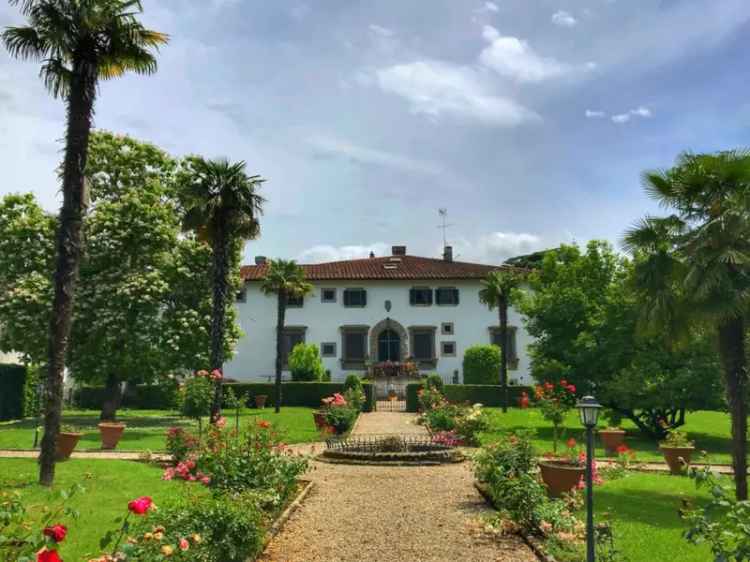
(588, 408)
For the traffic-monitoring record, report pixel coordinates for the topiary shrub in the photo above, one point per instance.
(482, 364)
(434, 382)
(305, 363)
(352, 382)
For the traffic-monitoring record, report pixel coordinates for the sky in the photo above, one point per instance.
(530, 121)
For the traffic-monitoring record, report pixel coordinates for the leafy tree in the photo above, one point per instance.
(497, 292)
(27, 254)
(582, 312)
(696, 268)
(223, 207)
(284, 278)
(80, 43)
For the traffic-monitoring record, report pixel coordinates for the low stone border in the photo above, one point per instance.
(281, 520)
(370, 462)
(534, 544)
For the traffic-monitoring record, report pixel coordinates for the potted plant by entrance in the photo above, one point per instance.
(677, 450)
(563, 474)
(67, 440)
(260, 401)
(111, 432)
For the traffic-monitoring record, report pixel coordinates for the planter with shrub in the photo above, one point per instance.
(111, 432)
(612, 439)
(677, 450)
(67, 440)
(260, 401)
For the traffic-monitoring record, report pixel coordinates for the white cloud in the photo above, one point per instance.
(514, 58)
(564, 19)
(380, 30)
(364, 155)
(640, 111)
(491, 7)
(496, 247)
(437, 88)
(595, 114)
(325, 253)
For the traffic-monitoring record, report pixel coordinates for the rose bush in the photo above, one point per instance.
(555, 400)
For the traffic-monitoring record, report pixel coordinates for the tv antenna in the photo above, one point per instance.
(443, 212)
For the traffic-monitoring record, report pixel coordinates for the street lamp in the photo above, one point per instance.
(588, 408)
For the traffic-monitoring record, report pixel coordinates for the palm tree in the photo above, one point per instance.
(222, 206)
(79, 43)
(497, 292)
(284, 279)
(696, 267)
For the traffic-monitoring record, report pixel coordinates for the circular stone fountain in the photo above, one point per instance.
(389, 449)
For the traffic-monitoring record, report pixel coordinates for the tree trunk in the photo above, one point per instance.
(503, 311)
(80, 106)
(219, 309)
(112, 398)
(734, 362)
(280, 318)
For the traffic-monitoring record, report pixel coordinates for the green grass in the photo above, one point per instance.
(709, 430)
(146, 428)
(109, 486)
(643, 509)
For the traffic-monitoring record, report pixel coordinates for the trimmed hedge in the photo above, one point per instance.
(482, 364)
(18, 392)
(140, 397)
(485, 394)
(307, 394)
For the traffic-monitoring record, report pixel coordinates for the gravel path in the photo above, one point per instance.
(392, 514)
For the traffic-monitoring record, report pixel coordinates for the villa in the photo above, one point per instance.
(377, 309)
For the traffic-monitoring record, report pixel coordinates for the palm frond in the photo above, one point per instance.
(25, 43)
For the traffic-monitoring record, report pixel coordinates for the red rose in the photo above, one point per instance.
(45, 555)
(563, 383)
(56, 532)
(141, 505)
(264, 424)
(622, 449)
(571, 443)
(572, 388)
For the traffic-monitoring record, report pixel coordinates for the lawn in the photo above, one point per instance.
(709, 430)
(109, 486)
(146, 428)
(643, 509)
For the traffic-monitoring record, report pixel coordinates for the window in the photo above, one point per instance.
(446, 328)
(446, 296)
(295, 301)
(448, 349)
(328, 349)
(420, 296)
(290, 337)
(355, 298)
(354, 346)
(328, 295)
(241, 295)
(423, 345)
(496, 339)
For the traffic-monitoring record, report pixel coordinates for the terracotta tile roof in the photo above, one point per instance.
(390, 267)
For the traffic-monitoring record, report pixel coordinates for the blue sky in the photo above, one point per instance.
(529, 120)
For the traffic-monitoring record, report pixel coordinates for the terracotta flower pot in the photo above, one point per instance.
(111, 433)
(560, 476)
(612, 439)
(673, 455)
(66, 443)
(260, 401)
(320, 419)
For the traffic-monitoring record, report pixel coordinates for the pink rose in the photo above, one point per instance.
(141, 505)
(216, 375)
(184, 544)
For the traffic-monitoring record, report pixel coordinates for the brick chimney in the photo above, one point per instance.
(448, 253)
(398, 250)
(260, 260)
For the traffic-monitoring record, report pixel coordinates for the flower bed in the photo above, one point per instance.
(448, 422)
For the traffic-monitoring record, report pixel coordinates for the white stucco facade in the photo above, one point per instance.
(323, 321)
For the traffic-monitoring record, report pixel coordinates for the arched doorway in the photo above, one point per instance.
(389, 346)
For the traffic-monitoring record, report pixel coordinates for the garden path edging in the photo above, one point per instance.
(534, 544)
(279, 522)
